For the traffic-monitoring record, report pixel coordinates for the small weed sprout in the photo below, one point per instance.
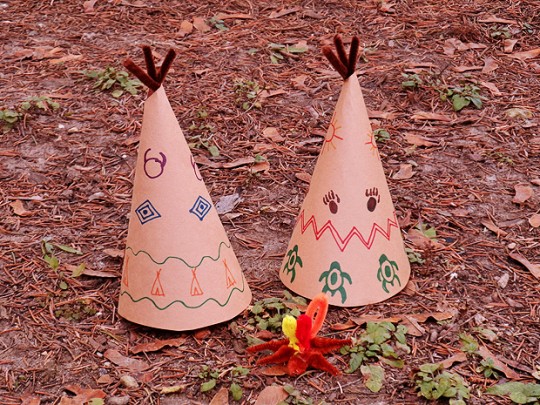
(269, 312)
(433, 382)
(279, 51)
(9, 118)
(414, 256)
(381, 135)
(247, 94)
(218, 24)
(411, 81)
(111, 79)
(462, 96)
(212, 377)
(500, 32)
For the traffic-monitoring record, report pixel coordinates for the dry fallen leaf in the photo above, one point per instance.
(405, 172)
(343, 326)
(285, 11)
(185, 28)
(172, 389)
(67, 58)
(428, 116)
(277, 370)
(489, 224)
(272, 395)
(509, 45)
(525, 55)
(221, 397)
(88, 6)
(260, 167)
(120, 360)
(532, 267)
(235, 16)
(383, 115)
(227, 203)
(30, 400)
(492, 88)
(493, 19)
(200, 24)
(157, 345)
(374, 318)
(98, 273)
(299, 82)
(534, 220)
(272, 133)
(490, 65)
(523, 193)
(460, 357)
(418, 140)
(19, 210)
(238, 162)
(305, 177)
(462, 68)
(83, 395)
(499, 365)
(114, 252)
(420, 240)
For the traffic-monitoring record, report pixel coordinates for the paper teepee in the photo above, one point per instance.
(179, 271)
(347, 240)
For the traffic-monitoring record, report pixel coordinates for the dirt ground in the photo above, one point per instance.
(472, 175)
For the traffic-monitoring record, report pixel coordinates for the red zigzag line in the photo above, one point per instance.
(343, 242)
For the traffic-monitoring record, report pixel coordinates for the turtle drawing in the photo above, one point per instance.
(387, 272)
(334, 281)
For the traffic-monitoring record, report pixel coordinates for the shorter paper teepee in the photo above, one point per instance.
(179, 272)
(347, 240)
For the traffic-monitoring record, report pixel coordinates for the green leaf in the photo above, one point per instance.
(52, 261)
(25, 105)
(68, 249)
(117, 93)
(476, 101)
(236, 391)
(78, 270)
(430, 367)
(274, 59)
(257, 309)
(397, 363)
(468, 343)
(374, 377)
(355, 362)
(63, 285)
(96, 401)
(459, 102)
(209, 385)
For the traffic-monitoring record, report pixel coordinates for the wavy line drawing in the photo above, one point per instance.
(183, 302)
(179, 258)
(343, 242)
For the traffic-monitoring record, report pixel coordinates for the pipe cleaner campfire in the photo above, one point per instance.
(303, 348)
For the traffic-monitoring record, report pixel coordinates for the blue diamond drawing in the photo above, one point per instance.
(200, 208)
(146, 212)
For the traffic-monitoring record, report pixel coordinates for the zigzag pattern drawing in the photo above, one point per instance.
(183, 303)
(179, 258)
(342, 242)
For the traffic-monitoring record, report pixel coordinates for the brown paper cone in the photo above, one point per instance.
(347, 240)
(180, 271)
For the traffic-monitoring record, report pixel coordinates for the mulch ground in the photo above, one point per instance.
(472, 175)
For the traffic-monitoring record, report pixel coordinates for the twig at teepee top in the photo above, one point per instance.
(152, 78)
(345, 65)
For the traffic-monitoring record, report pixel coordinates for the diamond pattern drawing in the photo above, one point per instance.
(200, 208)
(146, 212)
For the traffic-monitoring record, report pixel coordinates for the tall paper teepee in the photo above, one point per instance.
(180, 272)
(347, 240)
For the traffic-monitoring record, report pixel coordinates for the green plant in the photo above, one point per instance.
(269, 312)
(500, 32)
(414, 256)
(411, 81)
(279, 51)
(462, 96)
(468, 343)
(212, 376)
(295, 397)
(49, 256)
(519, 393)
(379, 342)
(381, 135)
(218, 24)
(9, 119)
(42, 102)
(427, 231)
(112, 79)
(247, 94)
(488, 368)
(433, 382)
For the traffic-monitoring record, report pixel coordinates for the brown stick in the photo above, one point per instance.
(141, 75)
(345, 65)
(166, 65)
(150, 64)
